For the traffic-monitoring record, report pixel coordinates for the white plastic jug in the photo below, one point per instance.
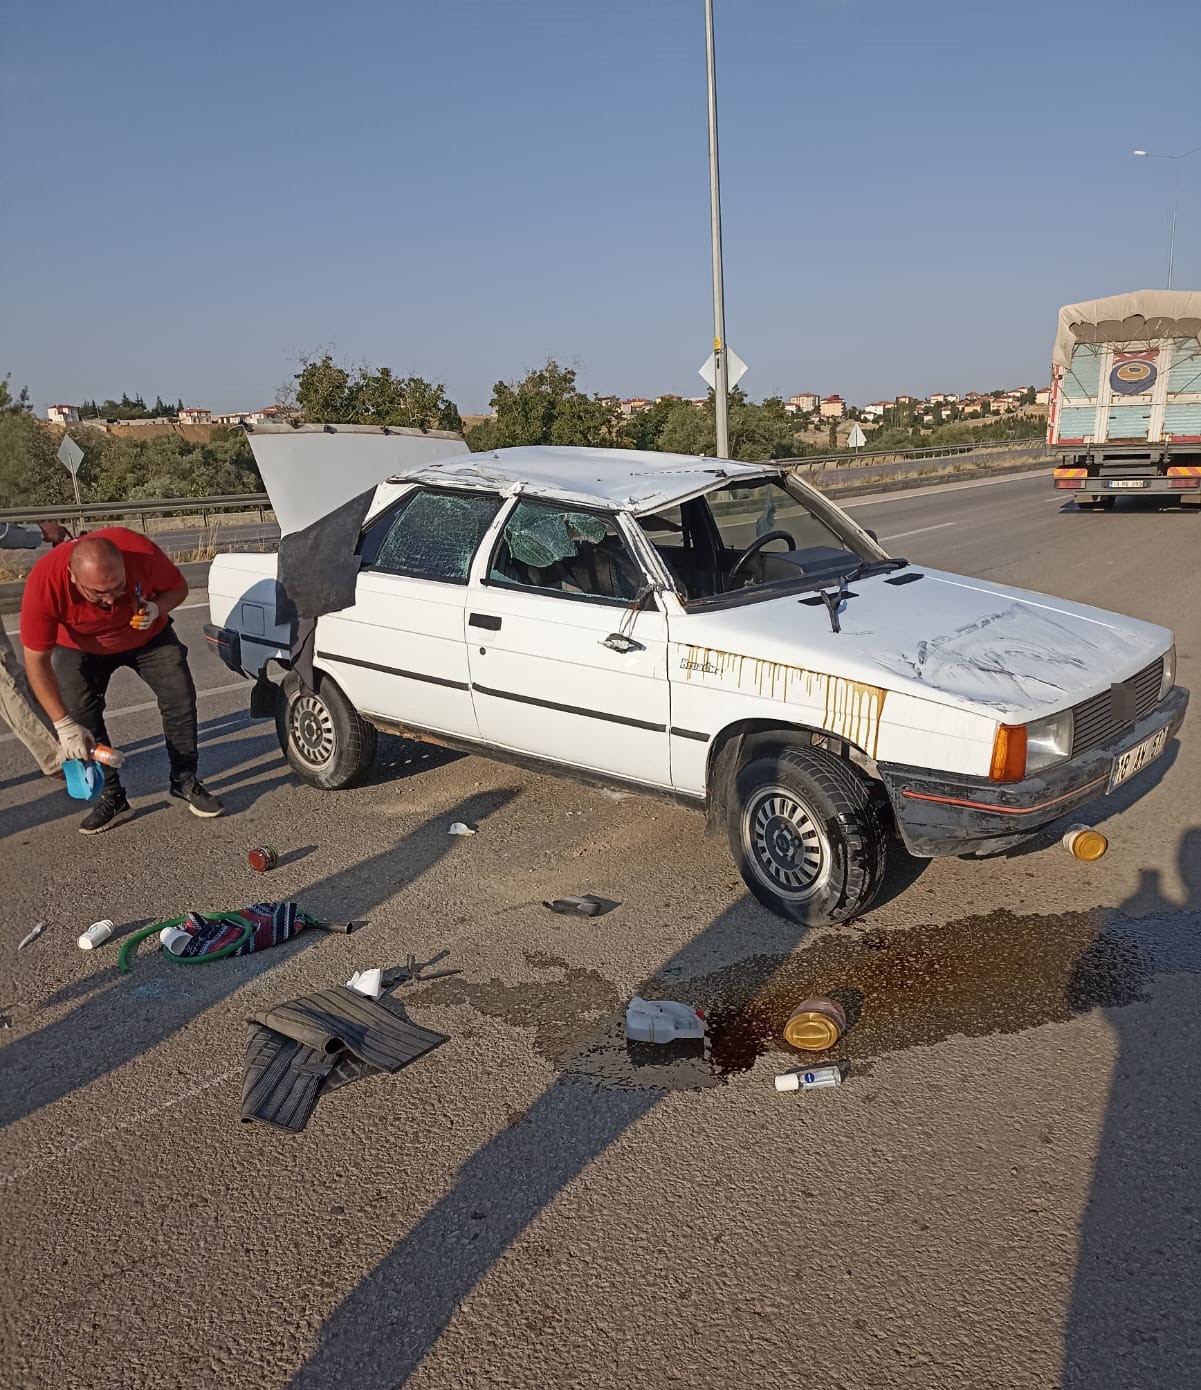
(662, 1021)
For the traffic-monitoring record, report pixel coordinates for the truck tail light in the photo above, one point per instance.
(1009, 754)
(1070, 477)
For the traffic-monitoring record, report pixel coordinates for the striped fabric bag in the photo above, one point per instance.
(273, 924)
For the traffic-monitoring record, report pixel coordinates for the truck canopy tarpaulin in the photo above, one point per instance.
(1121, 318)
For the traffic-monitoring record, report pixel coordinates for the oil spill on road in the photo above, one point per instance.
(1000, 973)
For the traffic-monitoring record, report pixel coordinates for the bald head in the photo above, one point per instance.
(98, 569)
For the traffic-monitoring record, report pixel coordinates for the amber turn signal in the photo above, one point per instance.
(1009, 754)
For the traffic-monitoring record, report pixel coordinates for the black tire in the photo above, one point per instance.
(322, 736)
(808, 836)
(1106, 504)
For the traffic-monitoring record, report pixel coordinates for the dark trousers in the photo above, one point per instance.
(162, 663)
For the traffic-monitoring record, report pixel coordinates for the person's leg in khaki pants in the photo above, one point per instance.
(19, 710)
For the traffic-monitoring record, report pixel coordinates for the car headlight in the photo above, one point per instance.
(1020, 749)
(1169, 672)
(1049, 741)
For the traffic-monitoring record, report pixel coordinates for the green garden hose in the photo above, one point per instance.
(130, 944)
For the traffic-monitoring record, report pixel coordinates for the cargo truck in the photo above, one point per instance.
(1124, 415)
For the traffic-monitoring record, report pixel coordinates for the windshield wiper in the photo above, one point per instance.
(866, 568)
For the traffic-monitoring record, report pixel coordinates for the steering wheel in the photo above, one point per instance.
(757, 545)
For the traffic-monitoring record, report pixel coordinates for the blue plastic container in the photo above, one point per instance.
(84, 780)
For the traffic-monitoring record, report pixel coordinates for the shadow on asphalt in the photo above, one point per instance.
(216, 756)
(1130, 1321)
(104, 1032)
(1133, 1318)
(387, 1325)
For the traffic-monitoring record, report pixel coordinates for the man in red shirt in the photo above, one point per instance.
(94, 605)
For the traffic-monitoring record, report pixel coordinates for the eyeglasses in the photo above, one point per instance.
(100, 596)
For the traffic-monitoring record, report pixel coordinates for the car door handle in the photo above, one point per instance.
(484, 620)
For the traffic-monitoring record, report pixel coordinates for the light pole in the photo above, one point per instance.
(1147, 154)
(721, 386)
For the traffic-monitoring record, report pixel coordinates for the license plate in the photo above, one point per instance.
(1128, 482)
(1133, 760)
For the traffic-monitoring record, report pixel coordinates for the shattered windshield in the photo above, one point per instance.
(557, 549)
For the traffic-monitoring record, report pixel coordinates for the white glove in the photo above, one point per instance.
(145, 616)
(73, 739)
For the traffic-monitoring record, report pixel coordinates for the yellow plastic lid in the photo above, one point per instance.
(1089, 845)
(816, 1025)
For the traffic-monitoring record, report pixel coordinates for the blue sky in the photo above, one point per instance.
(197, 194)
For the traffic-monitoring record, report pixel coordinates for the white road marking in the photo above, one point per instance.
(56, 1155)
(904, 494)
(149, 704)
(921, 530)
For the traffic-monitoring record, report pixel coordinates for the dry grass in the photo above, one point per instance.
(15, 566)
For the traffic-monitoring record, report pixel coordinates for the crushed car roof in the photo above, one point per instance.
(622, 479)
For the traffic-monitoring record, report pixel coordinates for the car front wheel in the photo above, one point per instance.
(809, 839)
(322, 736)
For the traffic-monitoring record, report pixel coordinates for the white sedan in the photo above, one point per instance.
(713, 631)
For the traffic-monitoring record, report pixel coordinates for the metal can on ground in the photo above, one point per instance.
(815, 1024)
(263, 858)
(1085, 843)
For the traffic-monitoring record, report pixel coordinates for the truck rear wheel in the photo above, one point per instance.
(321, 734)
(809, 839)
(1086, 504)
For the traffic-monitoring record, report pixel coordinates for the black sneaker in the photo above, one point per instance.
(200, 802)
(112, 808)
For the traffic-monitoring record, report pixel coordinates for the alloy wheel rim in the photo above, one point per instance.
(785, 843)
(312, 731)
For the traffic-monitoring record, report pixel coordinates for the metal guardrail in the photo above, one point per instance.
(821, 462)
(181, 506)
(260, 502)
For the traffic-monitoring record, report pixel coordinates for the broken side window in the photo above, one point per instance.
(434, 535)
(557, 549)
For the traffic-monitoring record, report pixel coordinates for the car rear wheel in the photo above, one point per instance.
(322, 736)
(809, 839)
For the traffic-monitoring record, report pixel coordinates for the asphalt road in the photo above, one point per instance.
(1003, 1193)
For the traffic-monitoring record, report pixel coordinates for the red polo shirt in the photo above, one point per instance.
(55, 614)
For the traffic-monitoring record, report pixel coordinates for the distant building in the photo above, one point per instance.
(804, 401)
(1043, 397)
(833, 407)
(944, 398)
(874, 410)
(194, 415)
(251, 417)
(61, 414)
(634, 405)
(906, 400)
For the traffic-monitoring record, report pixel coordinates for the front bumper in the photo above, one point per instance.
(944, 814)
